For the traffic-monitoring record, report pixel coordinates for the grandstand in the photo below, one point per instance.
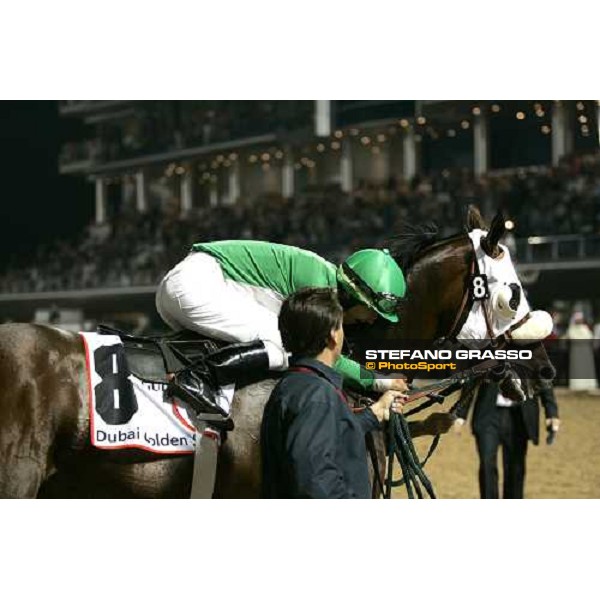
(329, 175)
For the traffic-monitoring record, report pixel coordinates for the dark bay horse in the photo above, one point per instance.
(45, 448)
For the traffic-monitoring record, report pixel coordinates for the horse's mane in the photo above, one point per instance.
(414, 240)
(411, 242)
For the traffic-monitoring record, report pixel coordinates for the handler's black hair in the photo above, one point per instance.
(306, 319)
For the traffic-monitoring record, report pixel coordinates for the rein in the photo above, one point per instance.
(466, 303)
(400, 445)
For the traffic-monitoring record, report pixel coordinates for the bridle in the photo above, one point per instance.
(399, 443)
(466, 305)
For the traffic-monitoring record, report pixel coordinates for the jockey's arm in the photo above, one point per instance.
(355, 375)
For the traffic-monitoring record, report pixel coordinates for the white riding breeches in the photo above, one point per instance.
(195, 295)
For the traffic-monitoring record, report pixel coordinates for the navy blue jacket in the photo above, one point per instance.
(313, 445)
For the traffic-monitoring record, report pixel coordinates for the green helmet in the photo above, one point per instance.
(374, 278)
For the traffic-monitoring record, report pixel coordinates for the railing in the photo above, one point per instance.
(81, 107)
(351, 112)
(199, 125)
(79, 152)
(558, 249)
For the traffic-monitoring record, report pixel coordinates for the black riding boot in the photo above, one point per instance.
(245, 362)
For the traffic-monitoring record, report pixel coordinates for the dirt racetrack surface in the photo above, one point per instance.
(570, 468)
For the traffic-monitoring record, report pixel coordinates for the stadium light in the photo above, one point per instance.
(509, 224)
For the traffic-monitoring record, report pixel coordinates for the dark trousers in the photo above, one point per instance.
(505, 429)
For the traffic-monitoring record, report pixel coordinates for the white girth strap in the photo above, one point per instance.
(205, 461)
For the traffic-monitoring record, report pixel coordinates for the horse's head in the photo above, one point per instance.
(500, 307)
(465, 290)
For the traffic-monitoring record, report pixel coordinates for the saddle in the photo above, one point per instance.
(152, 358)
(200, 366)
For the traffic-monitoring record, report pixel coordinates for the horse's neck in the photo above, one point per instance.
(434, 295)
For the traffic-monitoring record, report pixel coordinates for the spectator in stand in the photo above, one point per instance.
(136, 249)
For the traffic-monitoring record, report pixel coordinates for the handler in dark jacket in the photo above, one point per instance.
(313, 445)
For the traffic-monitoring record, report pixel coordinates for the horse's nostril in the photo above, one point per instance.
(515, 298)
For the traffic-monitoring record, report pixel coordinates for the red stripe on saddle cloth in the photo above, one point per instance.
(90, 391)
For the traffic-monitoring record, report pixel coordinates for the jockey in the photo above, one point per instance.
(233, 291)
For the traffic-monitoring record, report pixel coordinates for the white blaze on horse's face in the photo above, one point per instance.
(507, 304)
(502, 281)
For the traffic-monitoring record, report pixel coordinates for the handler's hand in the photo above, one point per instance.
(390, 401)
(399, 385)
(552, 427)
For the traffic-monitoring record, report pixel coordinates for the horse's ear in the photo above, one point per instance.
(474, 219)
(489, 243)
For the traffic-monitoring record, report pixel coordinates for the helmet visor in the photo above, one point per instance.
(383, 302)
